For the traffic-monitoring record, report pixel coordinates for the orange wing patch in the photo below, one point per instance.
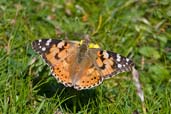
(111, 63)
(105, 63)
(61, 73)
(52, 55)
(89, 79)
(108, 67)
(60, 62)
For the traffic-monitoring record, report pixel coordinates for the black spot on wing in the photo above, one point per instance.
(103, 67)
(102, 59)
(56, 57)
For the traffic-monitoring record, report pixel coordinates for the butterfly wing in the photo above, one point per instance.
(88, 75)
(59, 55)
(102, 65)
(97, 65)
(111, 64)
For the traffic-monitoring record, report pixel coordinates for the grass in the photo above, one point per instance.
(140, 29)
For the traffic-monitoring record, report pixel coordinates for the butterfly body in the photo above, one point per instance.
(76, 65)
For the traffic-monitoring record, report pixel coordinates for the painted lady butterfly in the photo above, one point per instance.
(76, 65)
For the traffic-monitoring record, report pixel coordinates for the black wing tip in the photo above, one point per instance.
(43, 45)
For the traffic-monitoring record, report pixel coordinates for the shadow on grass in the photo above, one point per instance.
(72, 99)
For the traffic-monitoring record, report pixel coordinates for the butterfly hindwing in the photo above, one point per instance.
(88, 74)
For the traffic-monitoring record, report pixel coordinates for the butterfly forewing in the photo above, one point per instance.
(111, 64)
(59, 55)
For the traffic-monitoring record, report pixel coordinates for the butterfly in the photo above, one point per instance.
(77, 65)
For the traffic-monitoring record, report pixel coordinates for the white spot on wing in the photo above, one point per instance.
(118, 56)
(119, 65)
(106, 55)
(60, 44)
(48, 42)
(40, 40)
(127, 59)
(118, 59)
(43, 49)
